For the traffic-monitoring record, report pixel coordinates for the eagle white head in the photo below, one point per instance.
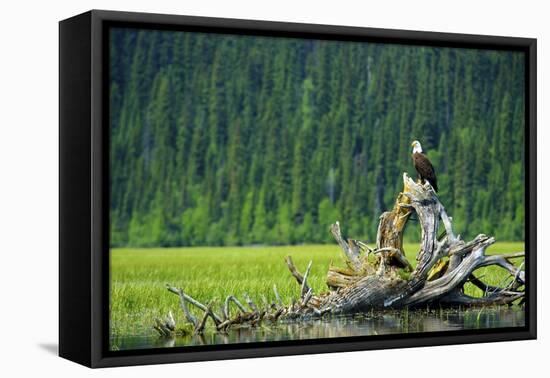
(416, 147)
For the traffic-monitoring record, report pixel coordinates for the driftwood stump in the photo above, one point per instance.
(382, 277)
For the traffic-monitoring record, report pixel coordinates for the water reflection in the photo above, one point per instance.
(362, 325)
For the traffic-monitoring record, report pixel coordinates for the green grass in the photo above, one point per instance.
(138, 277)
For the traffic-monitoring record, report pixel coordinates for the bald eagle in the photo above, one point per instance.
(423, 165)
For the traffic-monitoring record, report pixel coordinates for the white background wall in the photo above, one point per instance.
(29, 186)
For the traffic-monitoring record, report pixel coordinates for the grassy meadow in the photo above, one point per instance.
(138, 277)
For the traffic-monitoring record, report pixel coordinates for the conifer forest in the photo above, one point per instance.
(222, 140)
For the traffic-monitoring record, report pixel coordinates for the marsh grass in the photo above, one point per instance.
(138, 277)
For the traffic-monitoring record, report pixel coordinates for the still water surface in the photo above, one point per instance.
(364, 325)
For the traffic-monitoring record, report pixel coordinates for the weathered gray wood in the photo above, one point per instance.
(436, 289)
(231, 298)
(187, 298)
(199, 328)
(297, 275)
(277, 296)
(251, 303)
(305, 288)
(183, 305)
(384, 290)
(165, 327)
(351, 254)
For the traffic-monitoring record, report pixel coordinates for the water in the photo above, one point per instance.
(363, 325)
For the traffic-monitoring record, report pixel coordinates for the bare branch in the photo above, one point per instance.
(513, 255)
(167, 327)
(193, 301)
(293, 270)
(305, 287)
(199, 328)
(447, 223)
(183, 304)
(231, 298)
(251, 304)
(502, 262)
(307, 297)
(277, 296)
(351, 255)
(456, 298)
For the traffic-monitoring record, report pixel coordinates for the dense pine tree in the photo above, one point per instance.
(227, 140)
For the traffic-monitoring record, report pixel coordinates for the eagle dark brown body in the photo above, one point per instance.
(424, 168)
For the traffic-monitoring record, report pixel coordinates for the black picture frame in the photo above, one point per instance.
(83, 181)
